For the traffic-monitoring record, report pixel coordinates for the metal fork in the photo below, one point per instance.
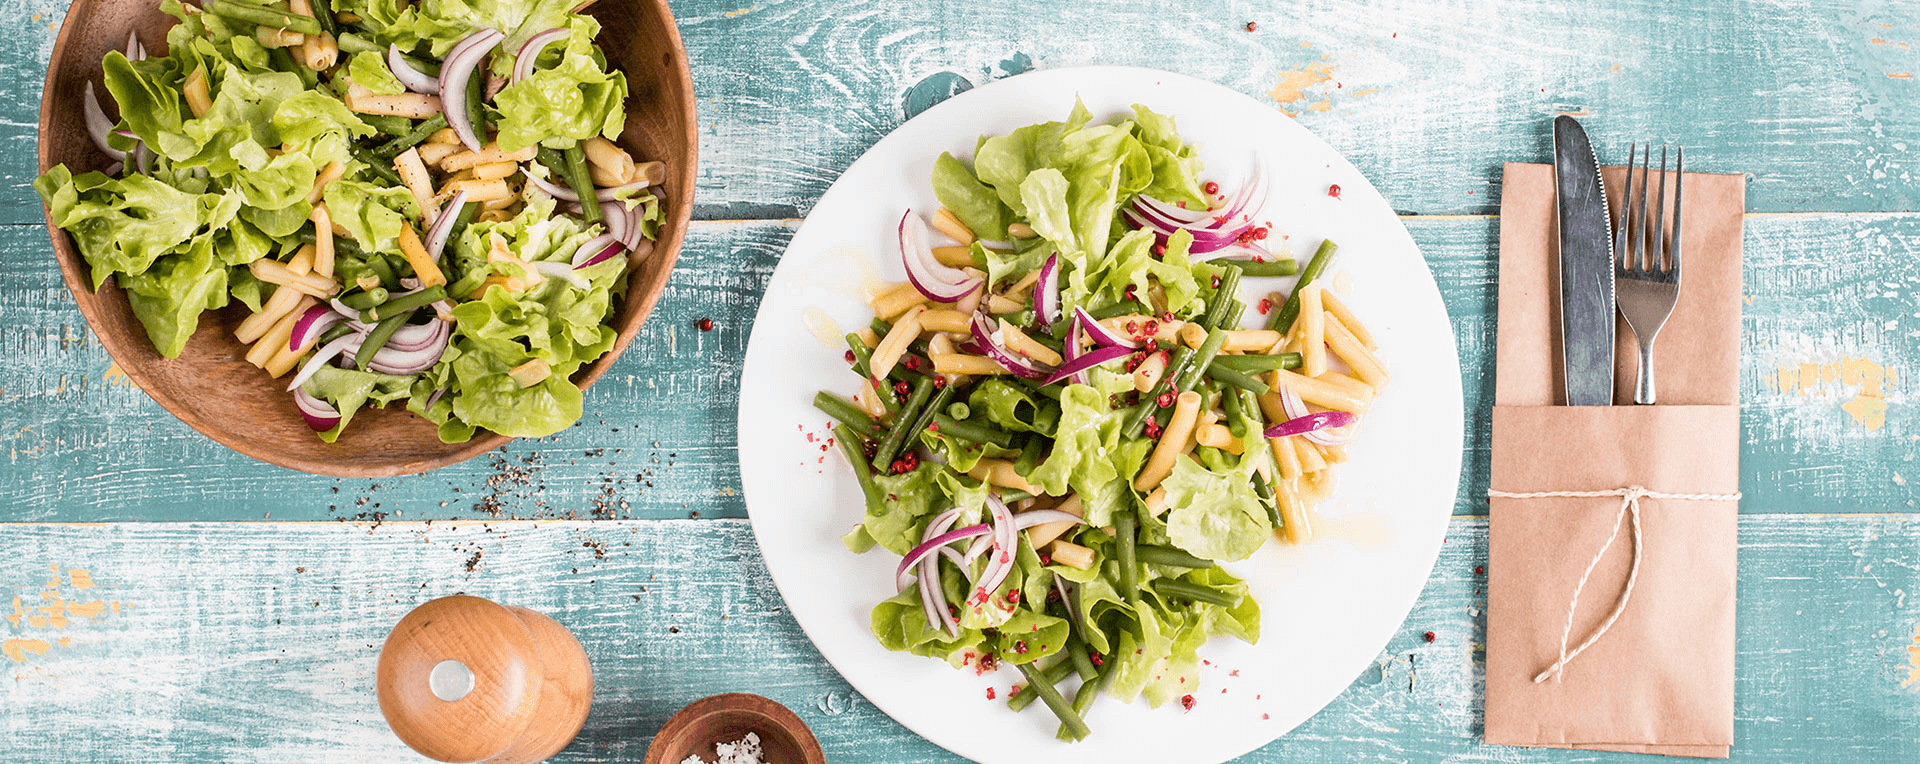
(1647, 284)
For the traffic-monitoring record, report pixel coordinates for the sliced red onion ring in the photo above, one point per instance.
(443, 225)
(562, 193)
(1312, 422)
(595, 250)
(311, 324)
(321, 357)
(1248, 251)
(1000, 559)
(565, 272)
(414, 336)
(134, 51)
(143, 158)
(1046, 293)
(1076, 337)
(636, 230)
(408, 362)
(531, 50)
(988, 341)
(938, 282)
(455, 71)
(98, 125)
(435, 397)
(1061, 586)
(320, 415)
(614, 214)
(1296, 408)
(921, 552)
(353, 316)
(1099, 333)
(414, 79)
(933, 596)
(1086, 362)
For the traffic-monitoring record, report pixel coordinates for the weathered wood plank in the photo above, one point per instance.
(1832, 291)
(256, 641)
(1427, 99)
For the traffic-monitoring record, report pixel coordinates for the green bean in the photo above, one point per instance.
(582, 183)
(366, 299)
(350, 42)
(375, 339)
(1047, 422)
(959, 410)
(1203, 358)
(1264, 490)
(969, 431)
(1234, 414)
(1124, 534)
(266, 17)
(1011, 495)
(1031, 452)
(849, 442)
(1237, 379)
(1227, 292)
(925, 420)
(1076, 651)
(377, 263)
(862, 354)
(323, 13)
(411, 138)
(386, 123)
(282, 60)
(1083, 701)
(477, 117)
(1050, 391)
(1053, 675)
(1181, 590)
(339, 330)
(380, 169)
(1254, 364)
(1051, 696)
(1283, 318)
(1255, 268)
(1118, 309)
(1166, 555)
(848, 414)
(401, 305)
(903, 423)
(880, 328)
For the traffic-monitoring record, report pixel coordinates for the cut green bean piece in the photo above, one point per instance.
(1227, 293)
(850, 444)
(1149, 403)
(411, 138)
(1264, 491)
(1255, 268)
(1238, 379)
(861, 353)
(1076, 651)
(843, 410)
(1181, 590)
(1051, 696)
(582, 183)
(376, 339)
(350, 42)
(969, 431)
(1083, 699)
(1283, 318)
(1254, 364)
(903, 423)
(323, 14)
(1124, 536)
(400, 306)
(380, 169)
(1053, 675)
(1203, 358)
(1031, 452)
(366, 299)
(273, 18)
(1166, 555)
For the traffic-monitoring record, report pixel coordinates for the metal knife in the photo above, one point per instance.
(1586, 268)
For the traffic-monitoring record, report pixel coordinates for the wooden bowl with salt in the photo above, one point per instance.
(726, 719)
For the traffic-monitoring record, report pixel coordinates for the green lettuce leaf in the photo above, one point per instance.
(1214, 514)
(573, 101)
(971, 201)
(369, 70)
(373, 215)
(349, 389)
(1090, 453)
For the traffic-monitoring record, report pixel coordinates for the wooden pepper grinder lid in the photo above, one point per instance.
(463, 679)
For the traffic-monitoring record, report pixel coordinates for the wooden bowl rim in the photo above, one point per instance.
(776, 715)
(665, 254)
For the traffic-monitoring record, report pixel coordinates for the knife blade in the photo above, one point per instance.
(1586, 267)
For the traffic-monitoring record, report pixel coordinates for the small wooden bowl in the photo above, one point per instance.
(212, 388)
(729, 717)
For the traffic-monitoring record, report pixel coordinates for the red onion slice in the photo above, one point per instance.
(1086, 362)
(414, 79)
(319, 414)
(443, 225)
(1076, 337)
(938, 282)
(134, 51)
(636, 230)
(987, 341)
(1296, 408)
(1000, 559)
(455, 71)
(1046, 293)
(919, 553)
(321, 357)
(1099, 333)
(408, 362)
(414, 336)
(1310, 423)
(595, 250)
(98, 125)
(311, 324)
(530, 51)
(614, 214)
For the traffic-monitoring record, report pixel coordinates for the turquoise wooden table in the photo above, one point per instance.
(166, 599)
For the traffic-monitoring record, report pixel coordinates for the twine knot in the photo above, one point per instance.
(1630, 497)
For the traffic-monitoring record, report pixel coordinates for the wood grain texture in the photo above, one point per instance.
(257, 642)
(1826, 290)
(1426, 98)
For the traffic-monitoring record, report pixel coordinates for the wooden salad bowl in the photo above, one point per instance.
(213, 389)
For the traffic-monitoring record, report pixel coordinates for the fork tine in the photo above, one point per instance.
(1679, 174)
(1654, 261)
(1622, 258)
(1640, 222)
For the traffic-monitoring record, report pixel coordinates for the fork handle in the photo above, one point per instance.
(1643, 390)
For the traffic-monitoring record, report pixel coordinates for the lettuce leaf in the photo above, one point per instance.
(1090, 454)
(971, 201)
(439, 24)
(1214, 514)
(349, 389)
(369, 70)
(573, 101)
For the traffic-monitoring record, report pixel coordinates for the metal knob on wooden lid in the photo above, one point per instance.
(464, 679)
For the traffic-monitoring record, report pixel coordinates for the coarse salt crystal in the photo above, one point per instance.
(746, 750)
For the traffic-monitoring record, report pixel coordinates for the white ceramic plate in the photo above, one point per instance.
(1329, 606)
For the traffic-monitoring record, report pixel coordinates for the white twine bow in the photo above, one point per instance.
(1629, 506)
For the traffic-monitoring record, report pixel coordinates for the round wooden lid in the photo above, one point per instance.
(459, 678)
